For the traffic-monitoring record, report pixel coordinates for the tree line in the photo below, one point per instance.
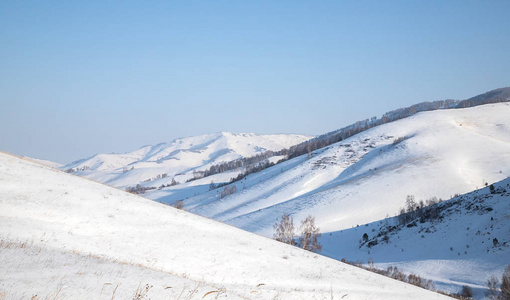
(252, 164)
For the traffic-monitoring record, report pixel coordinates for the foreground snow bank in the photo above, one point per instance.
(80, 239)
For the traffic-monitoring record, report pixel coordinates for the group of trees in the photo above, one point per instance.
(252, 169)
(395, 273)
(72, 170)
(138, 189)
(159, 176)
(409, 215)
(495, 96)
(309, 233)
(172, 183)
(428, 210)
(497, 291)
(251, 163)
(126, 169)
(228, 191)
(256, 163)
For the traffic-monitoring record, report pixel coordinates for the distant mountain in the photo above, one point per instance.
(177, 160)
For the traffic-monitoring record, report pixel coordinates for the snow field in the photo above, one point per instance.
(366, 177)
(112, 234)
(455, 251)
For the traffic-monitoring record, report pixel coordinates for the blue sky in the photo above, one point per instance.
(85, 77)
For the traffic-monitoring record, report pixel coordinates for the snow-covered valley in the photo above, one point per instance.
(351, 187)
(367, 177)
(65, 237)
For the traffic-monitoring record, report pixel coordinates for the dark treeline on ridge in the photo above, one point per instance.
(260, 161)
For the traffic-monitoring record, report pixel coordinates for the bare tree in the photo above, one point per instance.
(284, 230)
(309, 235)
(493, 292)
(505, 284)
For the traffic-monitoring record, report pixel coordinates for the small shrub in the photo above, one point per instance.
(141, 293)
(179, 204)
(466, 292)
(365, 237)
(399, 140)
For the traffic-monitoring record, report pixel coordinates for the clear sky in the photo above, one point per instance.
(85, 77)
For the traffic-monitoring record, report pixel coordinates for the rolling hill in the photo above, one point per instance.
(461, 241)
(368, 176)
(158, 165)
(62, 236)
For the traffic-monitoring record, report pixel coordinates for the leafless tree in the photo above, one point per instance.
(284, 230)
(493, 292)
(505, 284)
(309, 235)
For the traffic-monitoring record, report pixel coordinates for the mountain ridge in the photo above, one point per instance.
(178, 158)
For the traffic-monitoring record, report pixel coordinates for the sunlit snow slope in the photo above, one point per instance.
(368, 176)
(465, 244)
(158, 165)
(66, 237)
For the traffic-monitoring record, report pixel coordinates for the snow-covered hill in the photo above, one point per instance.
(462, 241)
(44, 162)
(368, 176)
(158, 165)
(65, 237)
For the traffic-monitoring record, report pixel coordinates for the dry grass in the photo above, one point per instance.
(105, 290)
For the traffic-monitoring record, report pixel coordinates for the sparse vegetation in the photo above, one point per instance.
(395, 273)
(399, 140)
(138, 189)
(179, 204)
(466, 292)
(309, 233)
(228, 191)
(141, 292)
(497, 291)
(414, 279)
(259, 162)
(284, 230)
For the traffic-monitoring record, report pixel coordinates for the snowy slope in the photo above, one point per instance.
(456, 248)
(63, 236)
(368, 176)
(44, 162)
(177, 159)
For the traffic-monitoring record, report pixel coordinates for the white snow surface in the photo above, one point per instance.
(366, 177)
(44, 162)
(65, 237)
(454, 250)
(177, 159)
